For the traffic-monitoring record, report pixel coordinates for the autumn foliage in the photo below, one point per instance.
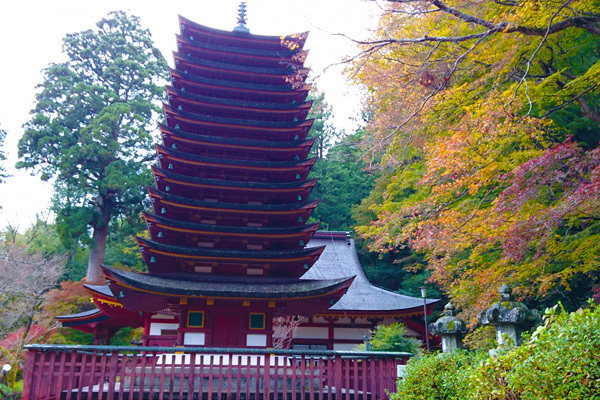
(486, 115)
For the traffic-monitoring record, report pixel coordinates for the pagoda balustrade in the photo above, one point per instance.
(117, 372)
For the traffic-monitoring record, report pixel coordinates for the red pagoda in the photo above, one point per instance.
(228, 231)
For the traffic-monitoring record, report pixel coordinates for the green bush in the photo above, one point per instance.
(439, 376)
(559, 360)
(393, 338)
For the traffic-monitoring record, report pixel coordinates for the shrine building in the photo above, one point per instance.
(228, 249)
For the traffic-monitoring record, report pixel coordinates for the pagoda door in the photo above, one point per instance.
(227, 330)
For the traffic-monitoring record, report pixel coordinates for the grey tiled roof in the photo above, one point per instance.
(236, 141)
(340, 259)
(235, 184)
(240, 286)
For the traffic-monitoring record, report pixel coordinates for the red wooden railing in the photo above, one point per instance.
(148, 373)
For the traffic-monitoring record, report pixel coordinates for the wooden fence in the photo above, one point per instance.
(198, 373)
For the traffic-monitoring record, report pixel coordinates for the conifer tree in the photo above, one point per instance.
(91, 129)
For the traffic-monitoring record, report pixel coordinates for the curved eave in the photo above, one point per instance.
(206, 68)
(233, 185)
(277, 209)
(229, 49)
(261, 71)
(82, 318)
(240, 104)
(191, 139)
(236, 55)
(211, 286)
(239, 90)
(232, 255)
(97, 320)
(234, 163)
(272, 126)
(101, 291)
(176, 121)
(194, 228)
(248, 40)
(251, 111)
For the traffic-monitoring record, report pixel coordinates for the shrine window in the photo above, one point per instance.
(257, 321)
(195, 319)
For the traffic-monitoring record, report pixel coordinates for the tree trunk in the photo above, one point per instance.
(94, 272)
(588, 112)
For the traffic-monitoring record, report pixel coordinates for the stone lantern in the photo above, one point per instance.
(509, 317)
(450, 328)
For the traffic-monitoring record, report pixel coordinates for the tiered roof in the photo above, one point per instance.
(362, 299)
(230, 207)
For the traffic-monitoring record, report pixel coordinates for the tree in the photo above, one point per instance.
(393, 338)
(26, 277)
(3, 174)
(91, 129)
(486, 116)
(322, 128)
(343, 182)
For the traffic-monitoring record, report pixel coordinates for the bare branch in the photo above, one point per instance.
(524, 77)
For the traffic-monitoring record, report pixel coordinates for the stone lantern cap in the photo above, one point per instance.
(449, 324)
(508, 312)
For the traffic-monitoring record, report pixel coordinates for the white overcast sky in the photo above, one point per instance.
(31, 33)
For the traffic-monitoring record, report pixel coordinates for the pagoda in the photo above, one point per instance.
(228, 230)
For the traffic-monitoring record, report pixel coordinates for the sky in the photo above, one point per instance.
(31, 33)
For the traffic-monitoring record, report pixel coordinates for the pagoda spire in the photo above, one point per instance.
(241, 26)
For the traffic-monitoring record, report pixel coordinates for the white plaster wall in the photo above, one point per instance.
(194, 338)
(253, 339)
(163, 316)
(311, 332)
(157, 327)
(349, 333)
(345, 346)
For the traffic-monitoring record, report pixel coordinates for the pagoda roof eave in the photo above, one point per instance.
(233, 163)
(239, 103)
(84, 317)
(273, 72)
(183, 201)
(233, 85)
(218, 286)
(299, 38)
(193, 138)
(230, 254)
(97, 320)
(255, 231)
(243, 185)
(244, 55)
(240, 123)
(100, 290)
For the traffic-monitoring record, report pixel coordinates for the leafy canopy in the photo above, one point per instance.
(559, 360)
(486, 116)
(393, 338)
(91, 129)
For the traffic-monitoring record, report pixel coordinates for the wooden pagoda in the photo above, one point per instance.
(228, 231)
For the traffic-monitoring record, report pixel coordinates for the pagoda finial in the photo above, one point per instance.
(241, 26)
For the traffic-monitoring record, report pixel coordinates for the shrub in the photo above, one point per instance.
(393, 338)
(560, 360)
(438, 376)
